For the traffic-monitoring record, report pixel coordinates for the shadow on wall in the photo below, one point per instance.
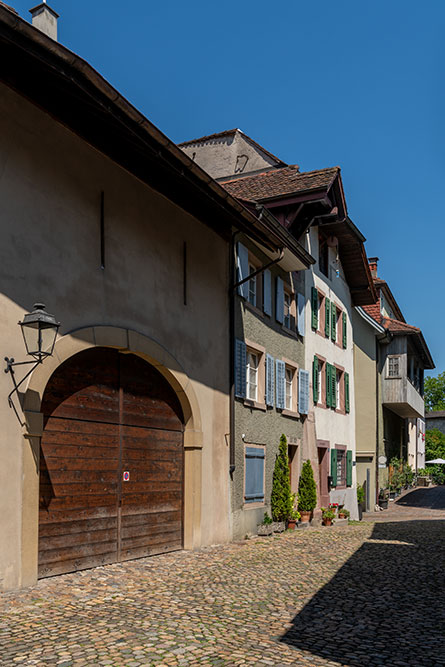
(385, 606)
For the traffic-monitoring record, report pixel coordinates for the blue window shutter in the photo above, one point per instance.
(254, 484)
(270, 380)
(267, 292)
(280, 376)
(279, 302)
(240, 368)
(301, 302)
(303, 392)
(242, 269)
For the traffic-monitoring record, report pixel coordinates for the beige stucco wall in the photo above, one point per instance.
(50, 185)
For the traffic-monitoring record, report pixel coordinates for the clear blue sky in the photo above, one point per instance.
(350, 83)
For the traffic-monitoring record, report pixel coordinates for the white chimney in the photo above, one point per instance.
(45, 19)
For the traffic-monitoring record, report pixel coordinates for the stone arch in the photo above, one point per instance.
(125, 340)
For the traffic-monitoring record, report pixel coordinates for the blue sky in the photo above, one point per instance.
(318, 83)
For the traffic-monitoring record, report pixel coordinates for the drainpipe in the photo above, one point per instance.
(377, 421)
(232, 292)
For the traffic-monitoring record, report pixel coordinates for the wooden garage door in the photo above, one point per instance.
(108, 416)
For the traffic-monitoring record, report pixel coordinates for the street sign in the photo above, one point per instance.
(126, 476)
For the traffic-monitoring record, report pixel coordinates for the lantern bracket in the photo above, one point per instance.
(10, 365)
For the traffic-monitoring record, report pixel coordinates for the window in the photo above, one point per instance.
(252, 375)
(338, 378)
(323, 255)
(252, 296)
(254, 474)
(289, 377)
(393, 367)
(318, 384)
(319, 381)
(341, 467)
(287, 309)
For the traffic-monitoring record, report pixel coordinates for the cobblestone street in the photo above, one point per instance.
(369, 594)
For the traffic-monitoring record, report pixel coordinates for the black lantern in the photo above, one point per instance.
(39, 331)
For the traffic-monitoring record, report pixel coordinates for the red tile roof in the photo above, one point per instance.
(280, 182)
(374, 311)
(397, 327)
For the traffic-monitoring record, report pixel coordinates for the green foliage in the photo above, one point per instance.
(282, 500)
(434, 393)
(266, 520)
(437, 473)
(402, 474)
(327, 513)
(360, 494)
(294, 514)
(346, 512)
(434, 444)
(307, 491)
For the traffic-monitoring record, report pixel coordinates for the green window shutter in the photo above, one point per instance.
(314, 301)
(333, 387)
(328, 385)
(345, 340)
(327, 322)
(333, 322)
(334, 466)
(349, 468)
(315, 387)
(346, 392)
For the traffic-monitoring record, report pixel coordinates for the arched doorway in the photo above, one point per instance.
(111, 463)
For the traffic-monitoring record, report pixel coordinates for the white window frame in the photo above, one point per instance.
(250, 354)
(319, 380)
(288, 380)
(392, 358)
(338, 375)
(252, 295)
(287, 307)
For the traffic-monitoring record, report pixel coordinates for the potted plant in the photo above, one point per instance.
(294, 516)
(383, 498)
(327, 515)
(265, 528)
(343, 513)
(360, 500)
(307, 492)
(282, 500)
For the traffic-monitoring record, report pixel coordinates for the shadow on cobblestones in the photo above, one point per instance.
(428, 498)
(385, 606)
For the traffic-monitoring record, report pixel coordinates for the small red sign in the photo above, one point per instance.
(126, 476)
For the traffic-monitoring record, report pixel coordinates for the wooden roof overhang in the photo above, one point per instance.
(73, 93)
(353, 259)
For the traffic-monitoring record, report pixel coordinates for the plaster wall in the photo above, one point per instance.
(264, 426)
(50, 187)
(228, 155)
(335, 428)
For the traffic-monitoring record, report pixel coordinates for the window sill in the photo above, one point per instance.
(253, 506)
(290, 413)
(255, 405)
(255, 309)
(340, 412)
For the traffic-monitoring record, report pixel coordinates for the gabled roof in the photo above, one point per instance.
(282, 182)
(231, 133)
(11, 9)
(398, 327)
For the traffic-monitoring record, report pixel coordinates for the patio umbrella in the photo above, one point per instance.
(436, 461)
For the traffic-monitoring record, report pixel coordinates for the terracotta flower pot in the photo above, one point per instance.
(291, 523)
(305, 516)
(327, 522)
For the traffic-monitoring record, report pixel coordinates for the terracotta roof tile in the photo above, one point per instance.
(280, 182)
(395, 326)
(374, 311)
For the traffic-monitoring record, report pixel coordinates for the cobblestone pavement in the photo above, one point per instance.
(368, 594)
(420, 503)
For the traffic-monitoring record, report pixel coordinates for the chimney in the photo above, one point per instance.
(45, 19)
(373, 266)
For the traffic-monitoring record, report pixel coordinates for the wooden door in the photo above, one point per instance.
(107, 414)
(323, 472)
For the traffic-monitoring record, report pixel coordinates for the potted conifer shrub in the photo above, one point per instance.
(282, 500)
(307, 492)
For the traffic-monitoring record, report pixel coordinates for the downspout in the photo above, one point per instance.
(377, 420)
(232, 291)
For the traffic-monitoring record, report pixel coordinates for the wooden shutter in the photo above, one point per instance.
(267, 292)
(314, 303)
(315, 387)
(301, 302)
(334, 466)
(328, 385)
(333, 322)
(270, 379)
(240, 368)
(345, 330)
(281, 379)
(327, 321)
(303, 392)
(279, 301)
(349, 468)
(242, 266)
(333, 387)
(347, 407)
(254, 483)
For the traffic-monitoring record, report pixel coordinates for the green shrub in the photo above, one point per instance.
(282, 500)
(360, 494)
(307, 491)
(266, 520)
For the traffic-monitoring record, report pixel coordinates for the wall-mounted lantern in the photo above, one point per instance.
(39, 330)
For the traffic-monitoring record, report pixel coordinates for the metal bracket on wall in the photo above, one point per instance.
(10, 365)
